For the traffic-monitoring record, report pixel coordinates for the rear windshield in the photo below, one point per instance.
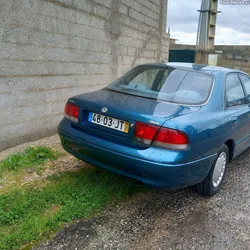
(165, 84)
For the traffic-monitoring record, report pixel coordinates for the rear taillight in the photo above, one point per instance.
(161, 137)
(171, 139)
(71, 112)
(145, 133)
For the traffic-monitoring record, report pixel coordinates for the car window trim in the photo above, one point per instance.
(247, 100)
(244, 90)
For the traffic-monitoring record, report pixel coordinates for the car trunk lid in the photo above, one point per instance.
(125, 107)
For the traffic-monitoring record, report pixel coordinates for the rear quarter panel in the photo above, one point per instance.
(207, 129)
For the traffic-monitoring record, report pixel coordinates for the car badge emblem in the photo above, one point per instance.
(104, 110)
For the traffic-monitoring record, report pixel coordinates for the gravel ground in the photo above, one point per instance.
(164, 219)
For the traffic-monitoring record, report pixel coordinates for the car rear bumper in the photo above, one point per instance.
(140, 164)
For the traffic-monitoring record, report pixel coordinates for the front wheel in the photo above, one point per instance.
(213, 182)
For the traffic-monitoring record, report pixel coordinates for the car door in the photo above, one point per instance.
(245, 80)
(237, 111)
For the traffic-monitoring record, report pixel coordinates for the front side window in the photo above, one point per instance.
(166, 84)
(234, 91)
(246, 82)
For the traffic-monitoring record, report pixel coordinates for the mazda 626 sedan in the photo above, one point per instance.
(167, 125)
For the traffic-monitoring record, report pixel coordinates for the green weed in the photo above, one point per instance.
(32, 156)
(36, 210)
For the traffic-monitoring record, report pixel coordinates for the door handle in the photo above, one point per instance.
(234, 120)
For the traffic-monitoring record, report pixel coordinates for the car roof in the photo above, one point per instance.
(193, 66)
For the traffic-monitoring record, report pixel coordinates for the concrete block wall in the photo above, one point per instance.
(53, 49)
(237, 57)
(231, 56)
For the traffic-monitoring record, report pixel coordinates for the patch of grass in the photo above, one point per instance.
(36, 210)
(32, 156)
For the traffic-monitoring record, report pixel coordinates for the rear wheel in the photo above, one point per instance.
(213, 182)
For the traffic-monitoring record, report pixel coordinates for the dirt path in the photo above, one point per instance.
(170, 220)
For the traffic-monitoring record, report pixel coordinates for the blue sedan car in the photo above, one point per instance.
(167, 125)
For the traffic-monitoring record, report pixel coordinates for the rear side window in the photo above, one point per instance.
(234, 91)
(166, 84)
(194, 88)
(246, 82)
(145, 80)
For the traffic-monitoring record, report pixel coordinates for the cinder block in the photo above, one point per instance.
(156, 2)
(5, 7)
(142, 18)
(40, 38)
(16, 35)
(129, 41)
(136, 5)
(137, 25)
(165, 42)
(123, 9)
(150, 5)
(78, 43)
(152, 46)
(66, 2)
(148, 54)
(88, 32)
(106, 3)
(123, 69)
(165, 56)
(127, 60)
(130, 32)
(131, 51)
(164, 48)
(92, 8)
(123, 50)
(13, 19)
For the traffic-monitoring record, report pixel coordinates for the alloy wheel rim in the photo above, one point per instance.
(219, 169)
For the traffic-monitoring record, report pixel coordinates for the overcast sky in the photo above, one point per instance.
(233, 24)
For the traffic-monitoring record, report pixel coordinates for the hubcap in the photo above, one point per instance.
(219, 169)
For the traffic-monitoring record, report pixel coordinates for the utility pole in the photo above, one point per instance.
(207, 24)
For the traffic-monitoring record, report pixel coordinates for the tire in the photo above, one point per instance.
(210, 186)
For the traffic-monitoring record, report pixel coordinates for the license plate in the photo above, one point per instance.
(109, 122)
